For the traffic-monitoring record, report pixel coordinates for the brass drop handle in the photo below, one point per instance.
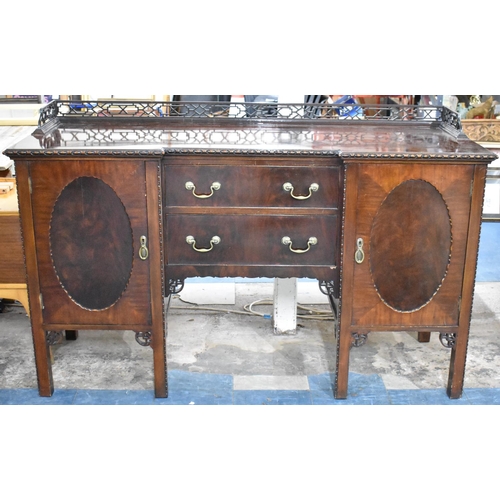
(143, 250)
(288, 186)
(359, 256)
(191, 241)
(310, 242)
(214, 187)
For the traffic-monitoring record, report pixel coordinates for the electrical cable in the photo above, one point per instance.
(196, 307)
(317, 314)
(313, 313)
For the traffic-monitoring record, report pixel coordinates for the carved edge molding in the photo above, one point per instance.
(339, 312)
(162, 271)
(168, 152)
(334, 152)
(420, 156)
(85, 152)
(259, 152)
(243, 152)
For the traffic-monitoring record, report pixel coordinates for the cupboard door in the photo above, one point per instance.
(91, 235)
(406, 251)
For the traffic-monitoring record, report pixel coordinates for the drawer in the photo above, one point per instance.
(251, 240)
(220, 184)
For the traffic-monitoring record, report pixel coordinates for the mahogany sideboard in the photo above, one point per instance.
(121, 201)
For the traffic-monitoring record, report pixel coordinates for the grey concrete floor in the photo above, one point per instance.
(245, 347)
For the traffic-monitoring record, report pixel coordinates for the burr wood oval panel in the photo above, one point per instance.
(410, 245)
(91, 243)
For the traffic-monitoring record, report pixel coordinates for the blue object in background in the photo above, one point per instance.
(488, 261)
(351, 110)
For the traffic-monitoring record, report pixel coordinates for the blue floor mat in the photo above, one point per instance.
(210, 389)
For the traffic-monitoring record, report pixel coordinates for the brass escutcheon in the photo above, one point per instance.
(359, 256)
(143, 250)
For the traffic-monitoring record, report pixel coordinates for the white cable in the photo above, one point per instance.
(199, 308)
(314, 314)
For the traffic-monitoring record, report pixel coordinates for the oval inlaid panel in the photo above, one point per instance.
(410, 245)
(91, 243)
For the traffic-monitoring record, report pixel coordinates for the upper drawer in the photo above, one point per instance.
(220, 184)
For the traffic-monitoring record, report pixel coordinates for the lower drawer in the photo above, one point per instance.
(246, 240)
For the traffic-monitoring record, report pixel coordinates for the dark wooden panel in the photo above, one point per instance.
(91, 243)
(410, 245)
(12, 268)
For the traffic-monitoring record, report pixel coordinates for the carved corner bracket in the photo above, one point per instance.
(143, 338)
(175, 286)
(327, 287)
(358, 339)
(448, 340)
(53, 337)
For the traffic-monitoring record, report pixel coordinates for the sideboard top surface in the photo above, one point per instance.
(140, 134)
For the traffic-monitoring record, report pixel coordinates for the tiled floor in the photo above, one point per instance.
(201, 383)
